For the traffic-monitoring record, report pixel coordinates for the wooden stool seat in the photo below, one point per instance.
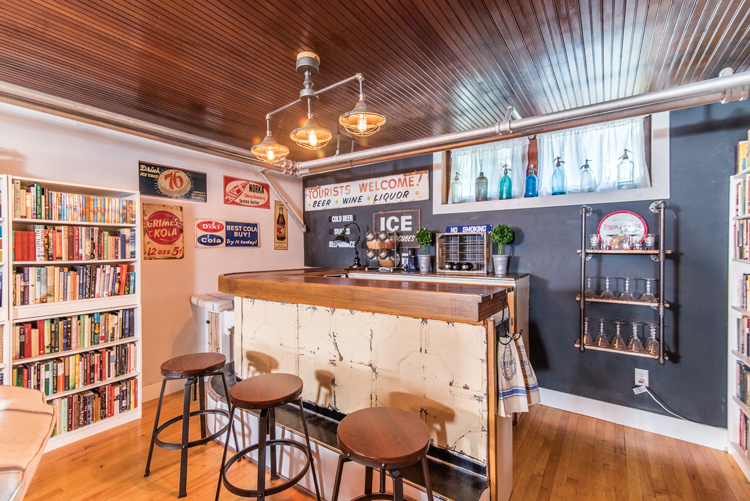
(266, 391)
(382, 437)
(195, 364)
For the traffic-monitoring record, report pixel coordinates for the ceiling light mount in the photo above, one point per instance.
(361, 121)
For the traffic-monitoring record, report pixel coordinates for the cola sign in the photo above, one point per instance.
(214, 233)
(163, 236)
(246, 193)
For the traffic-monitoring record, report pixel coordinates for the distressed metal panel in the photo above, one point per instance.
(395, 338)
(269, 336)
(461, 349)
(352, 333)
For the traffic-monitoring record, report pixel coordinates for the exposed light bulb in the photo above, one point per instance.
(362, 122)
(270, 154)
(312, 137)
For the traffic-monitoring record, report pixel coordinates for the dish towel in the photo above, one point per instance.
(517, 385)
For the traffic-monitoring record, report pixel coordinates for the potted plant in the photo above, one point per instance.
(501, 234)
(424, 238)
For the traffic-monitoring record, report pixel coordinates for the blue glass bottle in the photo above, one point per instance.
(532, 182)
(588, 180)
(506, 185)
(559, 185)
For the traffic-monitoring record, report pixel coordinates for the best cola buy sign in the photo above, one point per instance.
(216, 233)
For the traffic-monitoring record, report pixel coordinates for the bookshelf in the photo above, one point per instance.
(84, 243)
(5, 348)
(738, 310)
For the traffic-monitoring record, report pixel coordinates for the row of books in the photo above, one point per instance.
(743, 335)
(37, 202)
(741, 198)
(743, 290)
(742, 154)
(73, 243)
(744, 423)
(75, 371)
(743, 382)
(54, 284)
(56, 335)
(741, 240)
(88, 407)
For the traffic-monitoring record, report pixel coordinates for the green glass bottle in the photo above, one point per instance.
(559, 184)
(456, 190)
(506, 185)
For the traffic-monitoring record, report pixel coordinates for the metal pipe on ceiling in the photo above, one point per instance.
(722, 89)
(39, 101)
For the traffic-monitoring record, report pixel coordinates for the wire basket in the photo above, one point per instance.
(463, 250)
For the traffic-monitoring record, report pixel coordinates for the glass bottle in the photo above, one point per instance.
(559, 185)
(456, 190)
(481, 188)
(588, 180)
(506, 185)
(531, 183)
(625, 172)
(281, 225)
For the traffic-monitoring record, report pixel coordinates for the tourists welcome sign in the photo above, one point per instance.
(214, 233)
(400, 188)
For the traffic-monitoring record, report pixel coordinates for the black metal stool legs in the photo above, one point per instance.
(185, 438)
(309, 449)
(398, 482)
(156, 426)
(226, 446)
(272, 437)
(337, 481)
(427, 483)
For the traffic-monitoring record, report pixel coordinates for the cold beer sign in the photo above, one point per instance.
(214, 233)
(400, 188)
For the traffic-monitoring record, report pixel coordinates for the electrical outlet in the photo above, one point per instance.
(641, 377)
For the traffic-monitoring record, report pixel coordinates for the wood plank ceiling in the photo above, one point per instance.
(215, 69)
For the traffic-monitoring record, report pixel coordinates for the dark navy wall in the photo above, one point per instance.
(693, 383)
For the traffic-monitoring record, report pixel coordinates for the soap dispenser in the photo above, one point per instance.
(506, 185)
(588, 180)
(559, 185)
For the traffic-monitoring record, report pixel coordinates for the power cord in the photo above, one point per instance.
(644, 389)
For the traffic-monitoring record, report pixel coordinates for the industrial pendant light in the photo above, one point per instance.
(269, 150)
(362, 121)
(311, 135)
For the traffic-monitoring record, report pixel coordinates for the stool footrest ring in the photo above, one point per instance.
(379, 495)
(171, 445)
(251, 493)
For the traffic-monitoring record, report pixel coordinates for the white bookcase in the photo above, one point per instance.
(11, 314)
(738, 212)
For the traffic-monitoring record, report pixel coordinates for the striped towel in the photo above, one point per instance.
(517, 385)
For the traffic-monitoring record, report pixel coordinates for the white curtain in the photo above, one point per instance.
(489, 159)
(602, 144)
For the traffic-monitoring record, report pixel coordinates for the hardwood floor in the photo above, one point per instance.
(557, 456)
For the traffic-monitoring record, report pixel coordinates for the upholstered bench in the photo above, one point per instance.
(26, 423)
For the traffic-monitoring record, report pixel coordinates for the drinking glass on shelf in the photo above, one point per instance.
(650, 241)
(618, 343)
(635, 242)
(652, 343)
(601, 338)
(588, 339)
(589, 292)
(594, 241)
(634, 343)
(627, 295)
(647, 297)
(606, 293)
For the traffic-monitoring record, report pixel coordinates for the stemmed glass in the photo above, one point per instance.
(588, 339)
(618, 343)
(634, 343)
(607, 294)
(601, 338)
(652, 344)
(647, 297)
(589, 292)
(627, 295)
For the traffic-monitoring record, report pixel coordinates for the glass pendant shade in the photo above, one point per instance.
(269, 150)
(362, 121)
(311, 135)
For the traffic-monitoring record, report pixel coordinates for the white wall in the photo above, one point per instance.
(34, 144)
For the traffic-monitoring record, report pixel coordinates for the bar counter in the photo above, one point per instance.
(422, 343)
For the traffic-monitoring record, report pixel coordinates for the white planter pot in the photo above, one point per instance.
(424, 263)
(501, 263)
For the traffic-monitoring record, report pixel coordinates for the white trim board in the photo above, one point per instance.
(151, 392)
(695, 433)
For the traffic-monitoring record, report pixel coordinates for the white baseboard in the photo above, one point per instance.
(695, 433)
(151, 392)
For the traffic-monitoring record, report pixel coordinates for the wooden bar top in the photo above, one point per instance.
(332, 288)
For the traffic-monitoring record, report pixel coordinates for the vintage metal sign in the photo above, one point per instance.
(171, 182)
(399, 188)
(163, 236)
(281, 237)
(246, 193)
(403, 222)
(216, 233)
(469, 228)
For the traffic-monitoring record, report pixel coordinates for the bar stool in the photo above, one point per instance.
(265, 393)
(384, 438)
(190, 367)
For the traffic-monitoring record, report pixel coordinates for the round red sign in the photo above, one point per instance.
(211, 226)
(163, 227)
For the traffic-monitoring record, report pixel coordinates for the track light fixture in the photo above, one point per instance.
(359, 122)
